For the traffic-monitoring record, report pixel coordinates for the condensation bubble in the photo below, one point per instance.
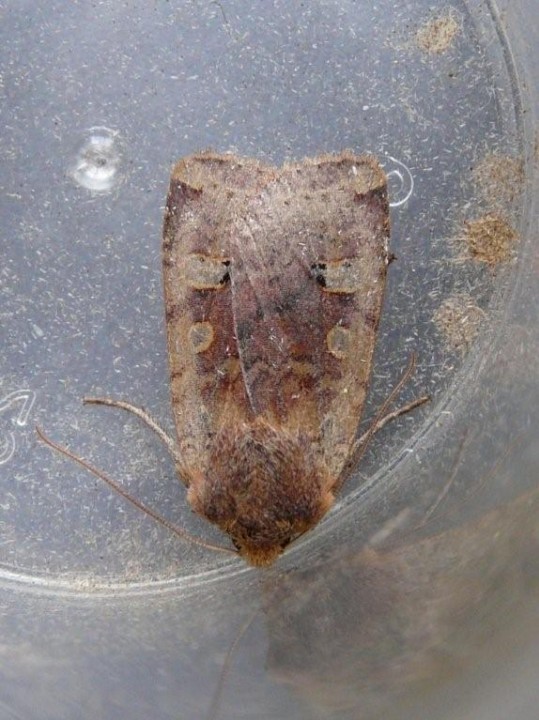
(399, 179)
(98, 160)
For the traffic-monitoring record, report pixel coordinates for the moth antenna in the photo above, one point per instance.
(379, 418)
(127, 496)
(217, 694)
(142, 415)
(382, 418)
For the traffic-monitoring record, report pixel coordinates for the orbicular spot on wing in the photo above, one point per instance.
(338, 341)
(203, 272)
(201, 336)
(340, 276)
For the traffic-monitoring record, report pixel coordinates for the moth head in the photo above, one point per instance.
(264, 488)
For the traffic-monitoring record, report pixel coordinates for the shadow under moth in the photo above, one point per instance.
(274, 280)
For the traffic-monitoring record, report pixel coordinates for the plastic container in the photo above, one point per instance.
(417, 595)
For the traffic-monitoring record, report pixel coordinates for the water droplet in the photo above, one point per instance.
(400, 181)
(98, 160)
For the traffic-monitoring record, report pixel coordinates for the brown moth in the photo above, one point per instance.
(274, 281)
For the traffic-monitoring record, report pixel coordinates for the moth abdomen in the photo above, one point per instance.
(264, 487)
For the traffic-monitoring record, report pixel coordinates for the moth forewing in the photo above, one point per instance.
(274, 282)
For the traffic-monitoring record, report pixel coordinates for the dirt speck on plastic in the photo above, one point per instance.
(458, 319)
(500, 179)
(490, 239)
(437, 34)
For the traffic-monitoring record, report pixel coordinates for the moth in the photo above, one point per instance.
(274, 281)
